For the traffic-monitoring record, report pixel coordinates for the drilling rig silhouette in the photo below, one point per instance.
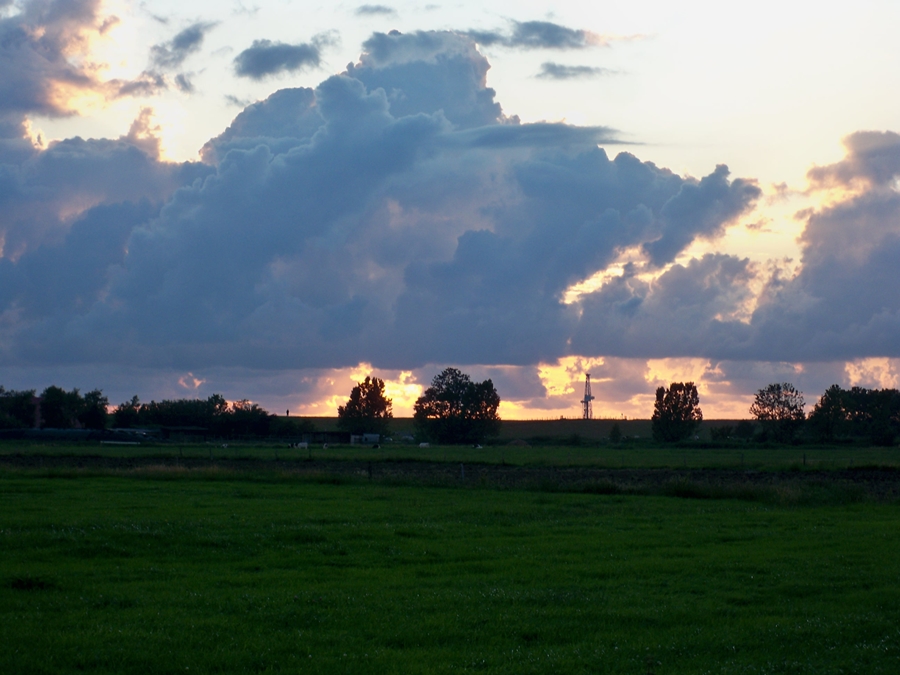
(587, 409)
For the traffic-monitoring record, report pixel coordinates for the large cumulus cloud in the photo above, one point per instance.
(396, 215)
(393, 215)
(427, 71)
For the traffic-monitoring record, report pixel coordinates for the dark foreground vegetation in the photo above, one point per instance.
(170, 569)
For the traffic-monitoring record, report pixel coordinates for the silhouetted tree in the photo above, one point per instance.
(241, 418)
(16, 409)
(60, 408)
(676, 413)
(128, 414)
(93, 412)
(454, 409)
(244, 419)
(829, 415)
(876, 413)
(367, 410)
(779, 408)
(185, 412)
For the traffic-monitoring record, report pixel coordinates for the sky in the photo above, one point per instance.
(273, 200)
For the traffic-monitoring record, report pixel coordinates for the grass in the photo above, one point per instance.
(632, 455)
(207, 572)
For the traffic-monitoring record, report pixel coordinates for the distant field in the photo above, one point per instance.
(198, 573)
(589, 430)
(643, 454)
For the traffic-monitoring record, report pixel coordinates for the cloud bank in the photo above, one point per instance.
(396, 215)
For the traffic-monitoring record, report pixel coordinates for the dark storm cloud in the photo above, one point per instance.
(538, 35)
(173, 53)
(264, 58)
(374, 10)
(559, 71)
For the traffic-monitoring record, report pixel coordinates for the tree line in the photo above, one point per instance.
(872, 415)
(56, 408)
(59, 409)
(457, 409)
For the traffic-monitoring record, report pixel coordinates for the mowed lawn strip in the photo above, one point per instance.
(120, 575)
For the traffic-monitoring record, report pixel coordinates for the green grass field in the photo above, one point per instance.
(197, 572)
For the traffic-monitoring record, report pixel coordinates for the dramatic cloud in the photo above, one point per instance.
(872, 157)
(44, 193)
(558, 71)
(281, 122)
(539, 35)
(841, 305)
(403, 228)
(683, 312)
(37, 73)
(394, 215)
(173, 53)
(429, 71)
(264, 58)
(46, 66)
(375, 10)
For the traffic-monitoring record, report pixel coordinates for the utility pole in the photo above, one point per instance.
(587, 409)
